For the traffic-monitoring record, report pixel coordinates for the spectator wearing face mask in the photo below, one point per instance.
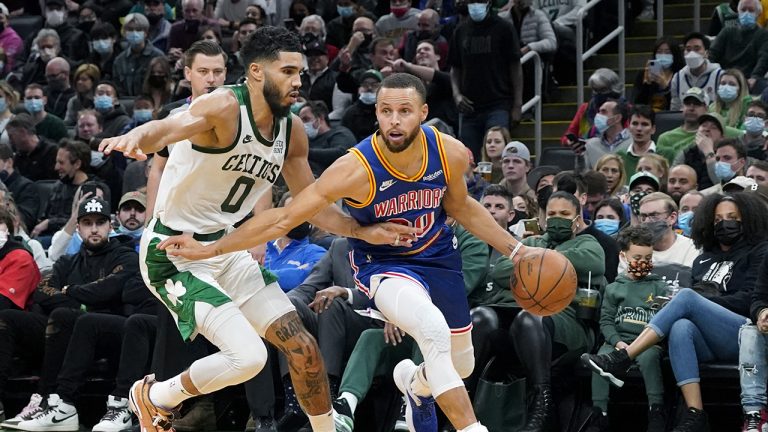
(131, 66)
(103, 48)
(612, 136)
(401, 19)
(428, 28)
(158, 83)
(185, 32)
(652, 85)
(754, 129)
(107, 103)
(85, 79)
(35, 155)
(46, 124)
(605, 85)
(326, 143)
(74, 43)
(313, 28)
(10, 41)
(341, 28)
(360, 117)
(318, 80)
(45, 46)
(158, 14)
(698, 71)
(59, 91)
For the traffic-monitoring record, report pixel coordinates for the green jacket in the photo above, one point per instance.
(474, 259)
(678, 139)
(583, 251)
(630, 160)
(626, 307)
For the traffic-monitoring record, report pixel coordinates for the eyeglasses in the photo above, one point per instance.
(653, 217)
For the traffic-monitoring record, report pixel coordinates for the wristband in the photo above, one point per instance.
(514, 251)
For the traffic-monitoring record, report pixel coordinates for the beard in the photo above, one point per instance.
(273, 98)
(407, 143)
(95, 245)
(131, 224)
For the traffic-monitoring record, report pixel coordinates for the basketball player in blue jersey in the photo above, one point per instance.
(229, 148)
(412, 175)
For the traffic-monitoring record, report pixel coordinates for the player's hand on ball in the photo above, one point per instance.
(388, 233)
(186, 247)
(127, 144)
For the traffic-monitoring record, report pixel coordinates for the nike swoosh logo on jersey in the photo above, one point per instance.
(706, 260)
(385, 185)
(59, 420)
(247, 139)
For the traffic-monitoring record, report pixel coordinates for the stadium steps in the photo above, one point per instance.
(556, 115)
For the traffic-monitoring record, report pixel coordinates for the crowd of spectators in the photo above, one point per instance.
(665, 224)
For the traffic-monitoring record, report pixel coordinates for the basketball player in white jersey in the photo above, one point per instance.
(229, 147)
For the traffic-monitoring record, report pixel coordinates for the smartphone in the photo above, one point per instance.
(654, 67)
(577, 144)
(532, 225)
(89, 187)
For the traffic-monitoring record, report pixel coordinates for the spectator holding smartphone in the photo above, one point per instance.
(652, 85)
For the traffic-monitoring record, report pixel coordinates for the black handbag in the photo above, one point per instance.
(500, 404)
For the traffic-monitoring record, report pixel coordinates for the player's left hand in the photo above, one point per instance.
(324, 298)
(186, 247)
(388, 233)
(392, 334)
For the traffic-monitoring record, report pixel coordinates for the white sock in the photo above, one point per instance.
(474, 427)
(322, 422)
(169, 394)
(351, 400)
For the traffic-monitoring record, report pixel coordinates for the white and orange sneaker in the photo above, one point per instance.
(152, 418)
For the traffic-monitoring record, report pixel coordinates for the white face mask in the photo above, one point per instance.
(3, 238)
(694, 60)
(54, 18)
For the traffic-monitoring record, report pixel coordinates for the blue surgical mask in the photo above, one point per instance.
(753, 125)
(665, 60)
(134, 38)
(477, 11)
(608, 226)
(102, 103)
(296, 107)
(601, 123)
(102, 46)
(723, 171)
(345, 11)
(3, 105)
(727, 92)
(34, 106)
(368, 98)
(311, 130)
(747, 19)
(684, 221)
(142, 115)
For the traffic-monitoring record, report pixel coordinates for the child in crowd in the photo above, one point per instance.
(626, 309)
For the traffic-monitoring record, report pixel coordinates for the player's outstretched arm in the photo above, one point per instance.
(205, 114)
(333, 185)
(467, 211)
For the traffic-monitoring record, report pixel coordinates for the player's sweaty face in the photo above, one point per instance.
(282, 80)
(400, 113)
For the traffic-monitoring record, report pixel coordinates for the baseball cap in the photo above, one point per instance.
(133, 196)
(644, 177)
(713, 117)
(739, 184)
(539, 172)
(315, 48)
(372, 73)
(94, 205)
(517, 149)
(696, 93)
(3, 9)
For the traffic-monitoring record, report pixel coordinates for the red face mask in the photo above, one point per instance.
(399, 11)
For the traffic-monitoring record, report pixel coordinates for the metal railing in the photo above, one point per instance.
(660, 17)
(582, 56)
(536, 100)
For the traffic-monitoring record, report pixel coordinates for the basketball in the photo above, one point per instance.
(545, 282)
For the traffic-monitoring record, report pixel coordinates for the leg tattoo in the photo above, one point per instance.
(307, 369)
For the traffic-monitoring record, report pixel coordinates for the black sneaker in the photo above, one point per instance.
(694, 420)
(598, 422)
(657, 421)
(291, 421)
(609, 365)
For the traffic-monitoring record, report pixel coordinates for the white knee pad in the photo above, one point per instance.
(435, 344)
(463, 354)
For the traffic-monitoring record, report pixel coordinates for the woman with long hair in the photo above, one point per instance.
(652, 85)
(732, 98)
(702, 324)
(158, 82)
(494, 141)
(657, 165)
(611, 166)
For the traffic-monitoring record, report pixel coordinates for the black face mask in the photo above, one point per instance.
(85, 26)
(156, 81)
(154, 18)
(728, 232)
(300, 232)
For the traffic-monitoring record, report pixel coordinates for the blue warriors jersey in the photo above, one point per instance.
(433, 260)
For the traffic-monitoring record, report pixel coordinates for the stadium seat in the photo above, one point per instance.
(558, 156)
(26, 25)
(666, 121)
(127, 104)
(44, 190)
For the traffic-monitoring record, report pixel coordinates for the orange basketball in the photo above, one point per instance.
(545, 282)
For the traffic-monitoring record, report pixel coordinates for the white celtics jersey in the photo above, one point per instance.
(204, 190)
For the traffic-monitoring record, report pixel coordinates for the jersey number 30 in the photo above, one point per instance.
(423, 223)
(240, 189)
